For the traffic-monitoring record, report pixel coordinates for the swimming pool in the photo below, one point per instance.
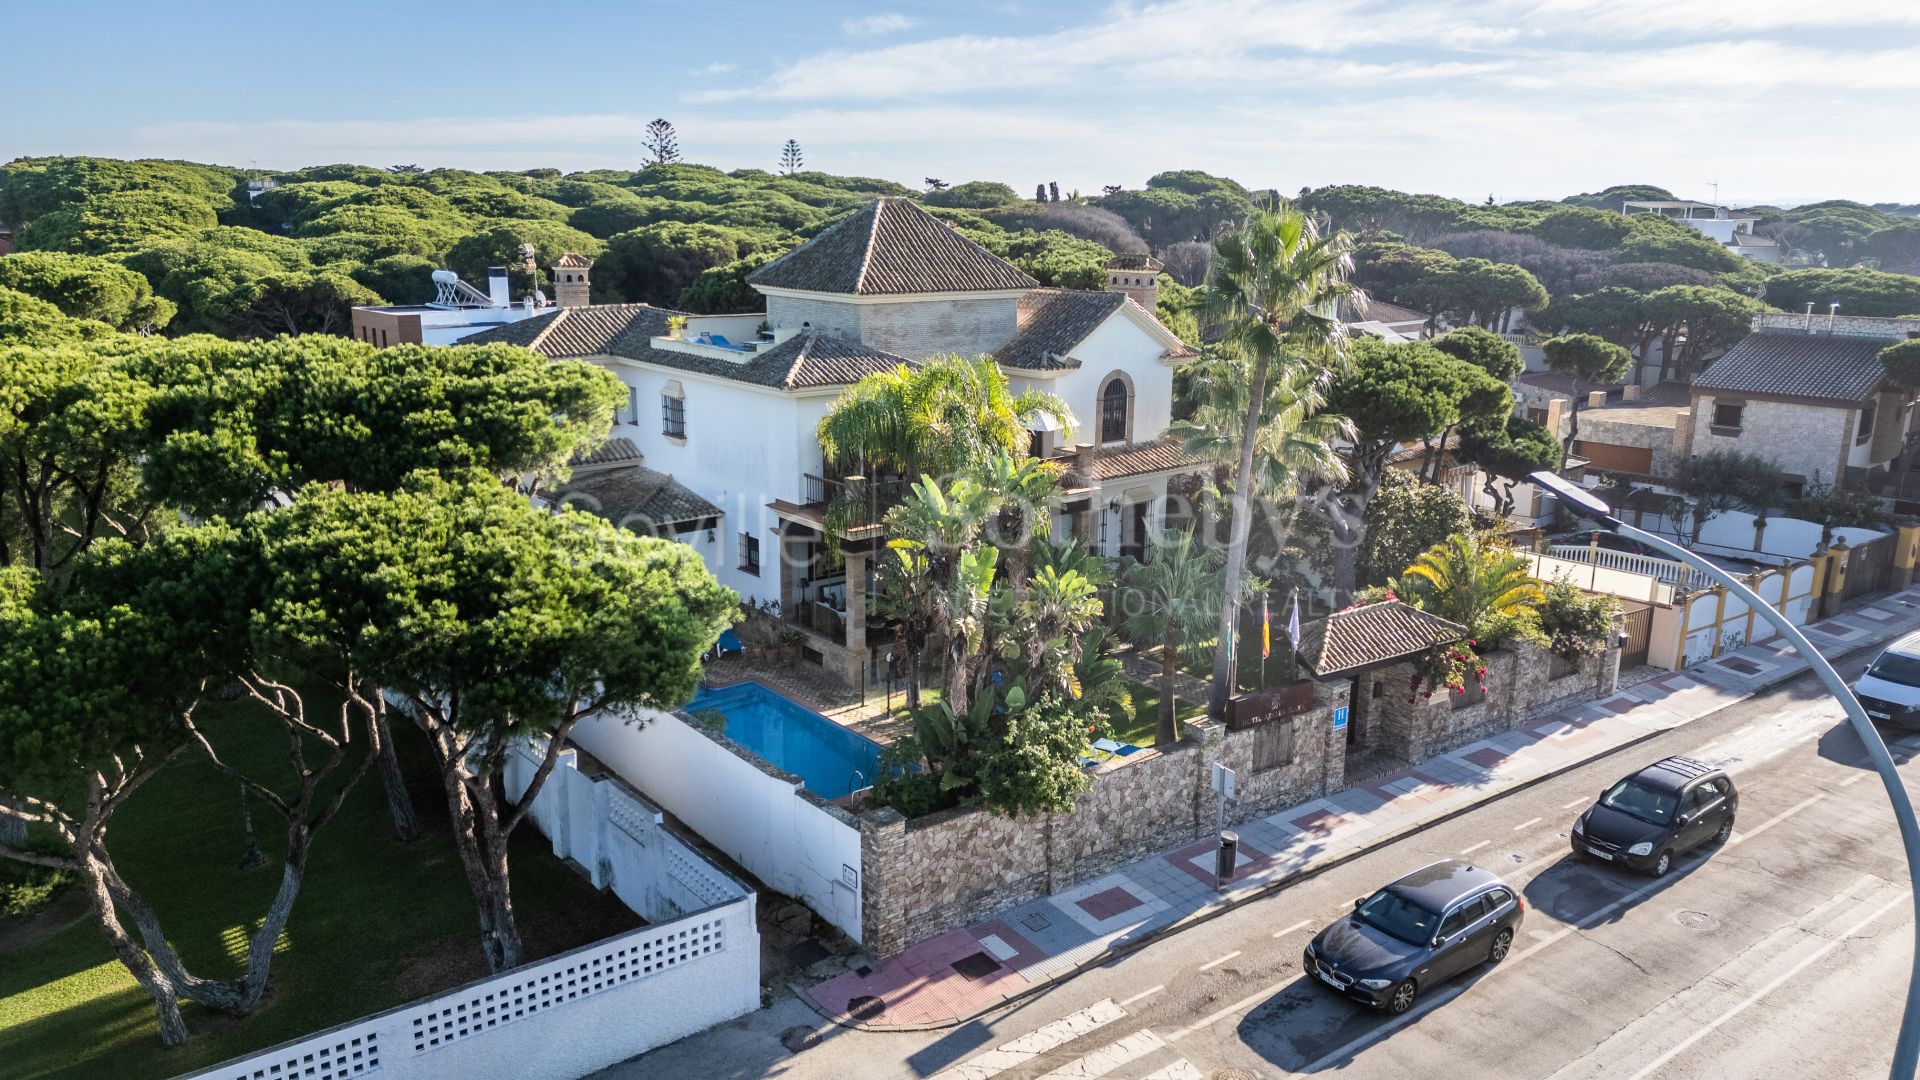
(792, 737)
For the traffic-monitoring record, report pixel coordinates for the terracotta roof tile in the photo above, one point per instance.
(1052, 323)
(633, 496)
(891, 247)
(1123, 461)
(1372, 634)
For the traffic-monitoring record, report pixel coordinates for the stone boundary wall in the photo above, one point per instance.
(1520, 687)
(933, 874)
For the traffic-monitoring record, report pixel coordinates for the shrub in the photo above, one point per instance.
(1576, 622)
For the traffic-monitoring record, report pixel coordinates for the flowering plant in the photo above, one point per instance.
(1447, 667)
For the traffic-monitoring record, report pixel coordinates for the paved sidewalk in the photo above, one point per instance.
(957, 975)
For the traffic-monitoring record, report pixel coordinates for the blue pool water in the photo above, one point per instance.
(793, 737)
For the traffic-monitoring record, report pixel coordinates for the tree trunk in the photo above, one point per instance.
(406, 824)
(166, 1001)
(1164, 734)
(484, 859)
(1239, 531)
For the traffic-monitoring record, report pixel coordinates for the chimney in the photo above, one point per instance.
(1138, 277)
(1630, 393)
(571, 281)
(1807, 323)
(1833, 312)
(1596, 398)
(497, 289)
(1556, 415)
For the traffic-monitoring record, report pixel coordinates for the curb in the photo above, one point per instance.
(1239, 900)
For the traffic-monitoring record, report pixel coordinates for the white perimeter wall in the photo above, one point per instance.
(760, 819)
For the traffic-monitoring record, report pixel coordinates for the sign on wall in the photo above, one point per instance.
(1340, 718)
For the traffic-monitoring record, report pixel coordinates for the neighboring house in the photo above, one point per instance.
(6, 239)
(728, 409)
(459, 310)
(1809, 394)
(1732, 228)
(1389, 322)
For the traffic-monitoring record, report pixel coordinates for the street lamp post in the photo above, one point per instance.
(1906, 1049)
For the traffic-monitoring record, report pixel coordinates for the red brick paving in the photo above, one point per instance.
(1105, 905)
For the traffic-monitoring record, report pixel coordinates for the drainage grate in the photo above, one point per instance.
(977, 966)
(799, 1038)
(1233, 1072)
(866, 1007)
(1036, 921)
(807, 953)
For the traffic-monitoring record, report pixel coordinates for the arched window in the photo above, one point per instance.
(1113, 411)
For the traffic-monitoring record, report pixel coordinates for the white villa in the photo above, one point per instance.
(716, 444)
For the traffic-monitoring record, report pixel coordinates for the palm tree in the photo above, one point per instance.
(1169, 600)
(1275, 292)
(937, 587)
(937, 419)
(1476, 580)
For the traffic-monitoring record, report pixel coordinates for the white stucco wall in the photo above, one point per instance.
(1117, 346)
(759, 819)
(911, 326)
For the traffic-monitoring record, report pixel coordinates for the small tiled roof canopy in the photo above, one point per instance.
(1052, 323)
(1821, 367)
(1372, 634)
(891, 247)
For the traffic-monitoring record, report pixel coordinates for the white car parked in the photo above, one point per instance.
(1890, 688)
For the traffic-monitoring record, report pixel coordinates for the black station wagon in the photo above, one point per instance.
(1429, 926)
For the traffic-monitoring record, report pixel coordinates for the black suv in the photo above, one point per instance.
(1659, 813)
(1429, 926)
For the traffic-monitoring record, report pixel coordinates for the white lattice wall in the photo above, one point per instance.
(554, 1020)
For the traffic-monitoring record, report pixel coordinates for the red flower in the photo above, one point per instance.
(1482, 673)
(1427, 694)
(1410, 700)
(1472, 644)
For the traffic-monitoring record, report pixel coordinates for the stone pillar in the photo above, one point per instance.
(883, 842)
(857, 604)
(1906, 551)
(1837, 578)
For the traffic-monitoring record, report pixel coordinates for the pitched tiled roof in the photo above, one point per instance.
(891, 247)
(569, 332)
(806, 360)
(1824, 367)
(635, 497)
(611, 452)
(1381, 312)
(1052, 323)
(1372, 634)
(1123, 461)
(573, 259)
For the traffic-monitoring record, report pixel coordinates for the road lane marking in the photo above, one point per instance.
(1222, 960)
(1528, 824)
(1216, 1016)
(1036, 1042)
(1854, 779)
(1739, 838)
(1474, 848)
(1142, 995)
(1179, 1070)
(1301, 925)
(1109, 1057)
(1646, 1033)
(1899, 898)
(1576, 802)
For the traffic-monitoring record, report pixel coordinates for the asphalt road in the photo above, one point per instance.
(1782, 954)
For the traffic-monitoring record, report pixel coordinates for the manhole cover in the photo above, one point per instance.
(1035, 921)
(866, 1007)
(977, 966)
(1697, 920)
(799, 1038)
(1233, 1072)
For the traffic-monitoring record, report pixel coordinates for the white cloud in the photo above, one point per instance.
(877, 25)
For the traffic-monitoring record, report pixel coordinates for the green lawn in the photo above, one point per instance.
(378, 923)
(1139, 728)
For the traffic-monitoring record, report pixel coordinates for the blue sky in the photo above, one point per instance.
(1773, 99)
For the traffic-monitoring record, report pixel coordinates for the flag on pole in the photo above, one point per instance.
(1266, 629)
(1293, 622)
